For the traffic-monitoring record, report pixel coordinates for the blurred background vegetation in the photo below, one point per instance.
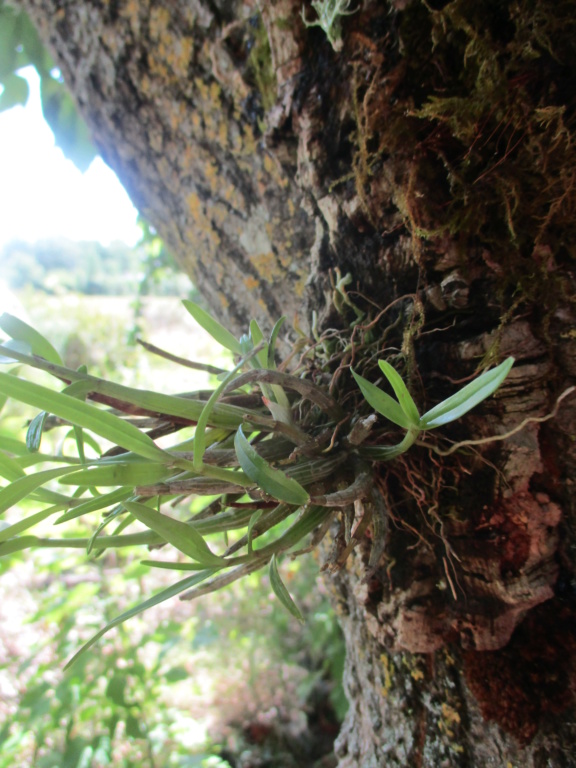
(230, 681)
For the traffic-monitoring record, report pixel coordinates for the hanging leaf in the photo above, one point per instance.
(34, 432)
(272, 481)
(160, 597)
(281, 592)
(180, 535)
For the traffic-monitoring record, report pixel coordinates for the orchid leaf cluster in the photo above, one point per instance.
(260, 452)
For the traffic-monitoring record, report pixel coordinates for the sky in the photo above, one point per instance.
(43, 195)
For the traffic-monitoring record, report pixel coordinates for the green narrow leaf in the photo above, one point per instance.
(257, 338)
(160, 597)
(271, 363)
(20, 331)
(182, 536)
(126, 474)
(167, 565)
(222, 415)
(24, 486)
(281, 592)
(213, 327)
(34, 432)
(23, 525)
(270, 480)
(468, 397)
(10, 445)
(95, 504)
(401, 391)
(381, 402)
(82, 414)
(10, 468)
(202, 423)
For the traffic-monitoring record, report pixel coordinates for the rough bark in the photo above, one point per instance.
(432, 158)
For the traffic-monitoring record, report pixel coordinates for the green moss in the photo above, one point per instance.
(480, 125)
(261, 66)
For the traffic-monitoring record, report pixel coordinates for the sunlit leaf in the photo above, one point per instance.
(23, 525)
(24, 486)
(468, 397)
(272, 481)
(181, 535)
(126, 474)
(95, 504)
(10, 468)
(20, 331)
(382, 403)
(281, 592)
(82, 414)
(213, 327)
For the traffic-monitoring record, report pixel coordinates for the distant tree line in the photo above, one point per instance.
(58, 266)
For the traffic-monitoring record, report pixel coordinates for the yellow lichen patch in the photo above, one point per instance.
(449, 714)
(275, 171)
(223, 133)
(450, 717)
(215, 92)
(267, 266)
(251, 283)
(159, 21)
(300, 286)
(387, 668)
(195, 207)
(211, 172)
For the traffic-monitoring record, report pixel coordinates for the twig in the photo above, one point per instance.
(180, 360)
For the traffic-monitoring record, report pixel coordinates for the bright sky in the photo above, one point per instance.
(43, 195)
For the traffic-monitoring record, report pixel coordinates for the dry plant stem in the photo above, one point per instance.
(302, 386)
(225, 579)
(505, 436)
(356, 536)
(291, 431)
(180, 360)
(202, 486)
(359, 489)
(277, 515)
(316, 537)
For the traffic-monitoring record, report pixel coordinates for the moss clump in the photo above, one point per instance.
(260, 65)
(477, 113)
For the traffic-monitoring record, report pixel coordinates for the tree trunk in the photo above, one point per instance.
(430, 161)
